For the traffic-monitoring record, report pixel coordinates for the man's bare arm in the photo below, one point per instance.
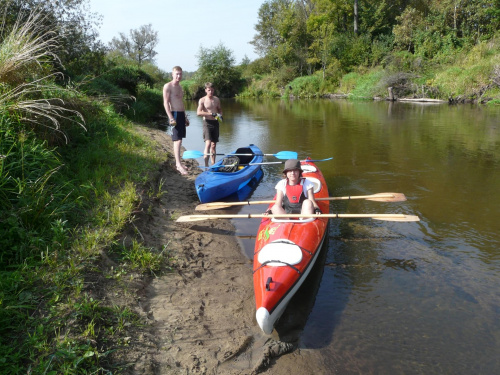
(166, 101)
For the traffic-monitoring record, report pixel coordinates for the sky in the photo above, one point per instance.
(183, 26)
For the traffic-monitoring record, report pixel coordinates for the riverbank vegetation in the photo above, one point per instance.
(73, 163)
(70, 171)
(357, 49)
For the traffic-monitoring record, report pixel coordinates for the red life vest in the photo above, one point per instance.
(292, 200)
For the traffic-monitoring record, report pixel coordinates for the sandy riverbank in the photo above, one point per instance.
(201, 313)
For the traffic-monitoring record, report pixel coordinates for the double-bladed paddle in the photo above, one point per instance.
(192, 154)
(263, 163)
(380, 197)
(387, 217)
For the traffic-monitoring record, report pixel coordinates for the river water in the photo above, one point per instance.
(389, 297)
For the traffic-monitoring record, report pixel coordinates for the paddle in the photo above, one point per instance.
(387, 217)
(241, 165)
(264, 163)
(282, 162)
(315, 160)
(280, 155)
(380, 197)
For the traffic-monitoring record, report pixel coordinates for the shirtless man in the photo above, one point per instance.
(174, 106)
(209, 108)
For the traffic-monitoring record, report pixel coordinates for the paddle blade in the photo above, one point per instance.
(405, 218)
(211, 206)
(286, 155)
(316, 160)
(190, 218)
(192, 154)
(219, 205)
(387, 197)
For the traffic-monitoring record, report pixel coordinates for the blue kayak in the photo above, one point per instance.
(229, 175)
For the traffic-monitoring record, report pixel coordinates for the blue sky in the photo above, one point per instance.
(183, 26)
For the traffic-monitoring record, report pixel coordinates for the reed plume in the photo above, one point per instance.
(26, 88)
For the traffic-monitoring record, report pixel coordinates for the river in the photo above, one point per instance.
(389, 297)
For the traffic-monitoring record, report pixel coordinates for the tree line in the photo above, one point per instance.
(327, 35)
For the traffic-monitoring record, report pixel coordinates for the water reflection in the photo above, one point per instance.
(407, 298)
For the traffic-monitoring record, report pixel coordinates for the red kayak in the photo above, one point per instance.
(285, 252)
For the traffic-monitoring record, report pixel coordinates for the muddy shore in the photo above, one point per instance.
(200, 313)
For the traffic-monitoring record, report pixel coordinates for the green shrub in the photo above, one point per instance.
(306, 87)
(100, 86)
(128, 78)
(148, 105)
(362, 86)
(401, 61)
(265, 87)
(192, 89)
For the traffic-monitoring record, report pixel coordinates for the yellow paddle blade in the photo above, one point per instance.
(386, 197)
(406, 218)
(190, 218)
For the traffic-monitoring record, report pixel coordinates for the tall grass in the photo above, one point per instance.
(61, 206)
(28, 43)
(24, 54)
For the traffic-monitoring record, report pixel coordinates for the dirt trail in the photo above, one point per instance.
(201, 314)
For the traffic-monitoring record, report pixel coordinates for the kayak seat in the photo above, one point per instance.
(245, 159)
(280, 253)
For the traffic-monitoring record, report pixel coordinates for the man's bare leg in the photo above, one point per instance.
(206, 151)
(213, 151)
(177, 155)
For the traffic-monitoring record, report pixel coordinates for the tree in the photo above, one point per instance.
(141, 45)
(404, 33)
(217, 66)
(269, 19)
(356, 17)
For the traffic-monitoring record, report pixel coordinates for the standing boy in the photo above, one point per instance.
(174, 106)
(209, 108)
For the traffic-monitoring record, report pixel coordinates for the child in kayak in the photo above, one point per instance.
(294, 194)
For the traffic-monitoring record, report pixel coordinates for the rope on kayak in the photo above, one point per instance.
(277, 261)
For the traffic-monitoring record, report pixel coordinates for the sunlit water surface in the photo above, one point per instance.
(391, 298)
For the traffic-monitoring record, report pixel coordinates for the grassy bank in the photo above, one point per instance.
(61, 207)
(71, 168)
(468, 76)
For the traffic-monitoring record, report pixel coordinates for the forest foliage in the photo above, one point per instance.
(409, 39)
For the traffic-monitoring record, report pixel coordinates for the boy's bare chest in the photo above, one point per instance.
(209, 103)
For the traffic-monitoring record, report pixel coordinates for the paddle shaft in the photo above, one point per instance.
(264, 163)
(244, 155)
(190, 154)
(389, 217)
(282, 162)
(381, 197)
(241, 165)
